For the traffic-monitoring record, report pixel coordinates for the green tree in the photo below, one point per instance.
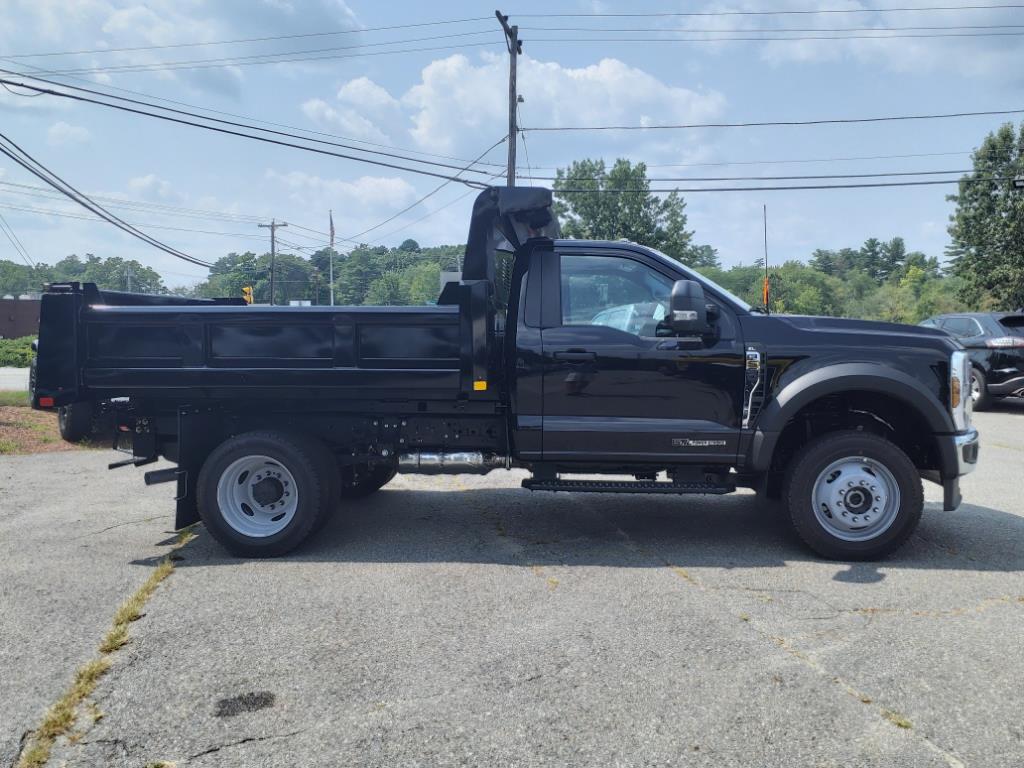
(987, 227)
(893, 258)
(387, 290)
(595, 203)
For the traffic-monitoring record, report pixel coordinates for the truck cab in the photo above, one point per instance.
(571, 359)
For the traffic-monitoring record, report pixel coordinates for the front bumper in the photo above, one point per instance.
(966, 446)
(962, 450)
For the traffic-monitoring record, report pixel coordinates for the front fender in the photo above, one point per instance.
(833, 379)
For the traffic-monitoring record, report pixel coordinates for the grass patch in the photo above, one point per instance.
(60, 718)
(23, 430)
(897, 719)
(14, 398)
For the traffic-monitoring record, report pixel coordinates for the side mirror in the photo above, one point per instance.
(688, 312)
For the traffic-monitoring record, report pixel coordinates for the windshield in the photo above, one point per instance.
(729, 295)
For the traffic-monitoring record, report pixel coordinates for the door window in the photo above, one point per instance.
(962, 327)
(615, 292)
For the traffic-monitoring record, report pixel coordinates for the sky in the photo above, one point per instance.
(438, 92)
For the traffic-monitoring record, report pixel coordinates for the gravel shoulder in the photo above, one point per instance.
(462, 621)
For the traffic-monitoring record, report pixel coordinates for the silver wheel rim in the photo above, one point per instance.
(975, 387)
(856, 498)
(257, 496)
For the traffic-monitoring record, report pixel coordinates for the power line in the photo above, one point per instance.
(766, 30)
(265, 139)
(791, 187)
(779, 12)
(286, 134)
(763, 39)
(429, 214)
(244, 39)
(16, 243)
(248, 118)
(238, 59)
(427, 196)
(147, 225)
(769, 178)
(786, 162)
(37, 169)
(159, 67)
(828, 121)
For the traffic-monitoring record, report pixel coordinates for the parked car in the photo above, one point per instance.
(995, 343)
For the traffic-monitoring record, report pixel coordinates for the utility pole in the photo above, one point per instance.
(515, 48)
(330, 255)
(272, 226)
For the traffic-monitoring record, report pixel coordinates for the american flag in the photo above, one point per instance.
(330, 215)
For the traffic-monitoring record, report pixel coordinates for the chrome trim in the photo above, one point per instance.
(454, 463)
(960, 371)
(967, 447)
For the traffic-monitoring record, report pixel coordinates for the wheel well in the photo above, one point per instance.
(890, 417)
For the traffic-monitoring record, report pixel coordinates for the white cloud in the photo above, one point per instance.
(366, 94)
(61, 134)
(152, 187)
(459, 106)
(349, 121)
(99, 24)
(367, 193)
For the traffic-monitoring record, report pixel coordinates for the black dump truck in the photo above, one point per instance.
(604, 360)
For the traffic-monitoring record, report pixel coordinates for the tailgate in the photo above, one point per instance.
(55, 381)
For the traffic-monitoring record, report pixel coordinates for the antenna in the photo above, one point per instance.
(764, 289)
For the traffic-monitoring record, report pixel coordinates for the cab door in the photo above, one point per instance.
(616, 390)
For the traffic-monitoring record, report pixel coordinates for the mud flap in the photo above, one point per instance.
(951, 494)
(200, 430)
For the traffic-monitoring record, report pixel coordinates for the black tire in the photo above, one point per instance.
(75, 421)
(815, 457)
(309, 463)
(984, 399)
(359, 482)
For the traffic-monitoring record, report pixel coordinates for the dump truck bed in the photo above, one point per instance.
(107, 347)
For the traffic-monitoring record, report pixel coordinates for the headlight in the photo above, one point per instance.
(960, 400)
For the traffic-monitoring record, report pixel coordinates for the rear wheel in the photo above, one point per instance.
(261, 494)
(853, 496)
(362, 480)
(75, 421)
(979, 390)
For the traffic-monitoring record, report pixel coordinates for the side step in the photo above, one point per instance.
(625, 486)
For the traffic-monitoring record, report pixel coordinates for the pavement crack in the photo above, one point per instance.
(246, 740)
(137, 521)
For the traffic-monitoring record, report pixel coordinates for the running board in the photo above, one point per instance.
(625, 486)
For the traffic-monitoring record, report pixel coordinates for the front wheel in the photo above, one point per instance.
(853, 496)
(261, 494)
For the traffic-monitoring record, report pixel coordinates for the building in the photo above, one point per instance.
(18, 317)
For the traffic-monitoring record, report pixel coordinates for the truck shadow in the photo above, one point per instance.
(508, 526)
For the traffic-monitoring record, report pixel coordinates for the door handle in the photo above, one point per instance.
(576, 355)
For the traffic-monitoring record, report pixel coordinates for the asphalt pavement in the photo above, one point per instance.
(464, 621)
